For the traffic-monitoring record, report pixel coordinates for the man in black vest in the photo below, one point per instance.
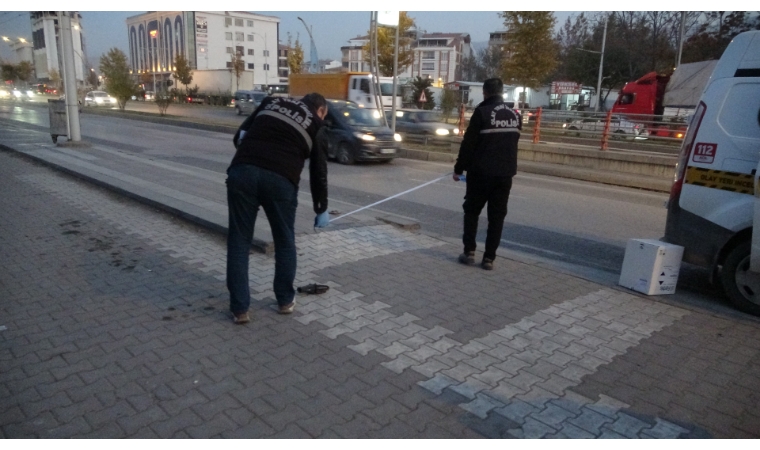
(272, 145)
(489, 156)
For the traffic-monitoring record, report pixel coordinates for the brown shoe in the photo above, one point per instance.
(287, 309)
(241, 318)
(467, 258)
(487, 264)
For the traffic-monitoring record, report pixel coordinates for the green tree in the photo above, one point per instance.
(420, 85)
(182, 71)
(715, 32)
(531, 54)
(115, 70)
(295, 55)
(449, 101)
(8, 72)
(237, 67)
(55, 78)
(24, 71)
(386, 42)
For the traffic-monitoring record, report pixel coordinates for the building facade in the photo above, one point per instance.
(437, 56)
(352, 55)
(46, 49)
(209, 40)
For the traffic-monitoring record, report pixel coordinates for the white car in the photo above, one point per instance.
(619, 127)
(99, 98)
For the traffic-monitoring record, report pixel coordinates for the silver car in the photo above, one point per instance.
(619, 127)
(99, 98)
(247, 101)
(419, 121)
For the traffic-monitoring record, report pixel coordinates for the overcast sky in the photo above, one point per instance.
(331, 30)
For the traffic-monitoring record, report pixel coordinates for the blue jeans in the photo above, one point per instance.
(249, 187)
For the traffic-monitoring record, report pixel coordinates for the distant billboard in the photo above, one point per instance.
(565, 87)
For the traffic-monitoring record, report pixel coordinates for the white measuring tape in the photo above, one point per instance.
(392, 197)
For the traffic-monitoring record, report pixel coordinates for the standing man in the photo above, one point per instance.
(272, 145)
(489, 156)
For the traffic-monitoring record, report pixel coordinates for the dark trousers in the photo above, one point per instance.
(249, 187)
(482, 190)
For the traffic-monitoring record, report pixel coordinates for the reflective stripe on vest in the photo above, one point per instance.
(290, 122)
(501, 130)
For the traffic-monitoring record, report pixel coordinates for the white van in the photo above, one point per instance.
(712, 201)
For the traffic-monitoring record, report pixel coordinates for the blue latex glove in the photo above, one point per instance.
(322, 220)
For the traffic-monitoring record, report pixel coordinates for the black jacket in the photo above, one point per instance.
(279, 136)
(489, 146)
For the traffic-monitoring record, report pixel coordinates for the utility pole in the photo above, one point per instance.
(601, 67)
(680, 38)
(69, 78)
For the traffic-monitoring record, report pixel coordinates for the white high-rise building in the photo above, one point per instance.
(209, 40)
(46, 44)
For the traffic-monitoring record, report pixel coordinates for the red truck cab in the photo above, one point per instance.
(643, 96)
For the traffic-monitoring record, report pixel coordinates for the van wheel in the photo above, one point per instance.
(619, 134)
(574, 130)
(740, 285)
(239, 111)
(344, 155)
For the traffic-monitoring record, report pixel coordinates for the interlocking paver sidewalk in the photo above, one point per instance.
(114, 323)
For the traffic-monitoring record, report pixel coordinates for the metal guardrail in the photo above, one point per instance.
(647, 132)
(605, 126)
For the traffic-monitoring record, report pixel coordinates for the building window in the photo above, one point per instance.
(250, 52)
(238, 22)
(428, 66)
(239, 36)
(266, 52)
(250, 23)
(415, 68)
(428, 55)
(239, 50)
(227, 36)
(354, 55)
(250, 66)
(227, 21)
(229, 64)
(250, 38)
(444, 66)
(444, 56)
(266, 67)
(229, 50)
(354, 67)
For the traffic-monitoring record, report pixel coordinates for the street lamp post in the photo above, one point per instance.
(313, 58)
(601, 67)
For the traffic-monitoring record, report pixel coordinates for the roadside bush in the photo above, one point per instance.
(163, 100)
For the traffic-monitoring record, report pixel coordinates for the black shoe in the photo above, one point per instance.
(467, 258)
(487, 264)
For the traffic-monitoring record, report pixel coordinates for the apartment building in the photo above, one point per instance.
(437, 56)
(209, 40)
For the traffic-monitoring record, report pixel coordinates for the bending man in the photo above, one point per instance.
(272, 145)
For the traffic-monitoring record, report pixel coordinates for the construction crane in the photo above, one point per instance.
(313, 58)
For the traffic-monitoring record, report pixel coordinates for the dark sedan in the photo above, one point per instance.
(357, 134)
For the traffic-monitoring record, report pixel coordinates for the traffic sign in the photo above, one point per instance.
(422, 97)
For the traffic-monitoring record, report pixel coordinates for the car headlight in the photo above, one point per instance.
(3, 94)
(17, 93)
(564, 125)
(442, 132)
(455, 131)
(30, 93)
(397, 137)
(365, 137)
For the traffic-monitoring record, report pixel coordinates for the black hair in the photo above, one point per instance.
(493, 86)
(314, 100)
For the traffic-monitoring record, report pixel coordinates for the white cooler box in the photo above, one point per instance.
(651, 266)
